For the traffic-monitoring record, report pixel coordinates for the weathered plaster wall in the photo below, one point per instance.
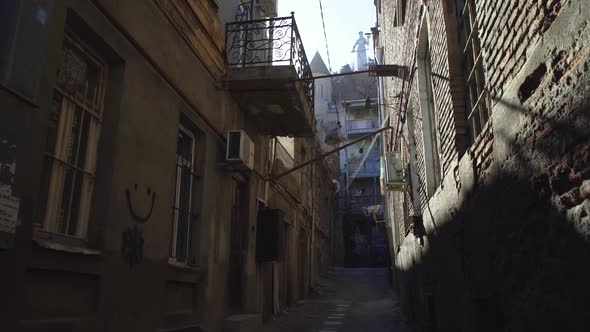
(94, 285)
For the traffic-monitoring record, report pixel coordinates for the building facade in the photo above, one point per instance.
(119, 208)
(489, 111)
(360, 198)
(330, 135)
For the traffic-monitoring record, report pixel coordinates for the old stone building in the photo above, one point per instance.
(127, 200)
(363, 233)
(490, 114)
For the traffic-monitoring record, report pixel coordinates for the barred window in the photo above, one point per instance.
(184, 210)
(400, 13)
(72, 138)
(478, 101)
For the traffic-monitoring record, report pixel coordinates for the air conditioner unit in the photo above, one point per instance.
(269, 7)
(395, 176)
(240, 150)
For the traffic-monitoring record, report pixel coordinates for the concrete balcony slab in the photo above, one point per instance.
(275, 98)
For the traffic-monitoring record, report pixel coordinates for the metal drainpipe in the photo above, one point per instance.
(311, 260)
(388, 214)
(346, 175)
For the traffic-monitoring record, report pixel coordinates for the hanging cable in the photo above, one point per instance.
(325, 36)
(329, 64)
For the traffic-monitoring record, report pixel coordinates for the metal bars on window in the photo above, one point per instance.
(184, 215)
(72, 139)
(400, 13)
(478, 100)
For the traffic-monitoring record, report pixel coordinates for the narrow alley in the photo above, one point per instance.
(348, 300)
(294, 165)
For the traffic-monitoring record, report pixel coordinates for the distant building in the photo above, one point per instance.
(364, 233)
(327, 121)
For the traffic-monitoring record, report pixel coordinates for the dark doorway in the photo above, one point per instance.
(302, 262)
(239, 223)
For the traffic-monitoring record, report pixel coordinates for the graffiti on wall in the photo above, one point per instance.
(132, 238)
(132, 245)
(145, 216)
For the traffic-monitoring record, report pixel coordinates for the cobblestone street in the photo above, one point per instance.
(350, 300)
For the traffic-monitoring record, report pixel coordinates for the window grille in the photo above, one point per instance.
(478, 101)
(72, 139)
(400, 13)
(184, 215)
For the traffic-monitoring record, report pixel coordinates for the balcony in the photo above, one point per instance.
(364, 126)
(269, 75)
(369, 168)
(358, 204)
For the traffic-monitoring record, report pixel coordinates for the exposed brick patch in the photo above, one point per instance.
(482, 150)
(551, 10)
(571, 198)
(585, 190)
(505, 40)
(559, 179)
(532, 82)
(560, 66)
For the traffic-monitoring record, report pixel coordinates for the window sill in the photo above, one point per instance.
(183, 266)
(55, 246)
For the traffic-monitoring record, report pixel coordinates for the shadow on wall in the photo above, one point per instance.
(515, 255)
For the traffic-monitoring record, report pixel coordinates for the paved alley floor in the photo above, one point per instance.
(351, 300)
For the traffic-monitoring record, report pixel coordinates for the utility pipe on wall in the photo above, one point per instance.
(311, 260)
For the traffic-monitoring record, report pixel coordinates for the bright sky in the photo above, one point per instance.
(344, 20)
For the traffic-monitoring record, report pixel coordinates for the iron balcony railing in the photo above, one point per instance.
(368, 167)
(361, 125)
(269, 42)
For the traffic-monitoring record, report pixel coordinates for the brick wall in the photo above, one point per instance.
(509, 225)
(508, 29)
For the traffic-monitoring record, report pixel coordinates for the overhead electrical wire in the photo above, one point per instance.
(325, 36)
(329, 62)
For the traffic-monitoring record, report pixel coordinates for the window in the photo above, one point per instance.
(184, 210)
(72, 139)
(411, 156)
(427, 109)
(478, 103)
(400, 13)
